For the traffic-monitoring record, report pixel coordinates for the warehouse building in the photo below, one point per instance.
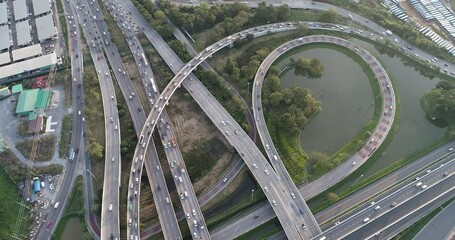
(23, 33)
(45, 27)
(41, 7)
(31, 100)
(5, 38)
(20, 10)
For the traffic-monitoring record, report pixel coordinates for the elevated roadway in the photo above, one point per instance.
(292, 227)
(119, 70)
(109, 207)
(378, 135)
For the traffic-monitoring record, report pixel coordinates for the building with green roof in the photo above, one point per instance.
(4, 92)
(26, 103)
(16, 88)
(42, 100)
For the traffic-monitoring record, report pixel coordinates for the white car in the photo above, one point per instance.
(110, 207)
(267, 147)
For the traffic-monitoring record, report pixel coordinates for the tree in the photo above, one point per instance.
(159, 16)
(230, 67)
(330, 16)
(316, 156)
(309, 67)
(283, 13)
(302, 29)
(332, 197)
(264, 13)
(439, 103)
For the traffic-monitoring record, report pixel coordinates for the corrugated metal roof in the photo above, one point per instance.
(16, 88)
(4, 92)
(3, 13)
(4, 58)
(41, 6)
(4, 37)
(26, 102)
(42, 100)
(23, 33)
(26, 52)
(28, 65)
(20, 9)
(45, 27)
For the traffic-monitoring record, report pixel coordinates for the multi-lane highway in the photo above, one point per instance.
(51, 222)
(171, 230)
(382, 213)
(441, 226)
(109, 207)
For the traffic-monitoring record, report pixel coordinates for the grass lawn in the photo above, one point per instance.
(44, 150)
(9, 199)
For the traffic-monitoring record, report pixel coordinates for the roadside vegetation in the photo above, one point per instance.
(65, 137)
(94, 116)
(44, 151)
(74, 208)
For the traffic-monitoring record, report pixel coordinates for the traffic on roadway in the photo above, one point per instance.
(217, 114)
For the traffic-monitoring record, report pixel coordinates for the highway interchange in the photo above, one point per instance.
(182, 77)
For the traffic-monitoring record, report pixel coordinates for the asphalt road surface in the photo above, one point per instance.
(49, 226)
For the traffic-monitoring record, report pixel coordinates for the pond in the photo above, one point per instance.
(346, 99)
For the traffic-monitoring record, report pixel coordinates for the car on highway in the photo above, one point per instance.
(366, 220)
(110, 207)
(266, 172)
(274, 202)
(267, 147)
(225, 180)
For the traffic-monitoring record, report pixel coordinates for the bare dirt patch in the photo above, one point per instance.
(44, 150)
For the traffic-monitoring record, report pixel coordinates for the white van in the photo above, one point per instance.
(56, 205)
(418, 184)
(366, 220)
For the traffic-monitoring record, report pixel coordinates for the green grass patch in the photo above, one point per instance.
(74, 208)
(44, 150)
(64, 29)
(9, 200)
(65, 137)
(410, 232)
(59, 6)
(264, 231)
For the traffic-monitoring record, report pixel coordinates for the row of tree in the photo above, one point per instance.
(232, 17)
